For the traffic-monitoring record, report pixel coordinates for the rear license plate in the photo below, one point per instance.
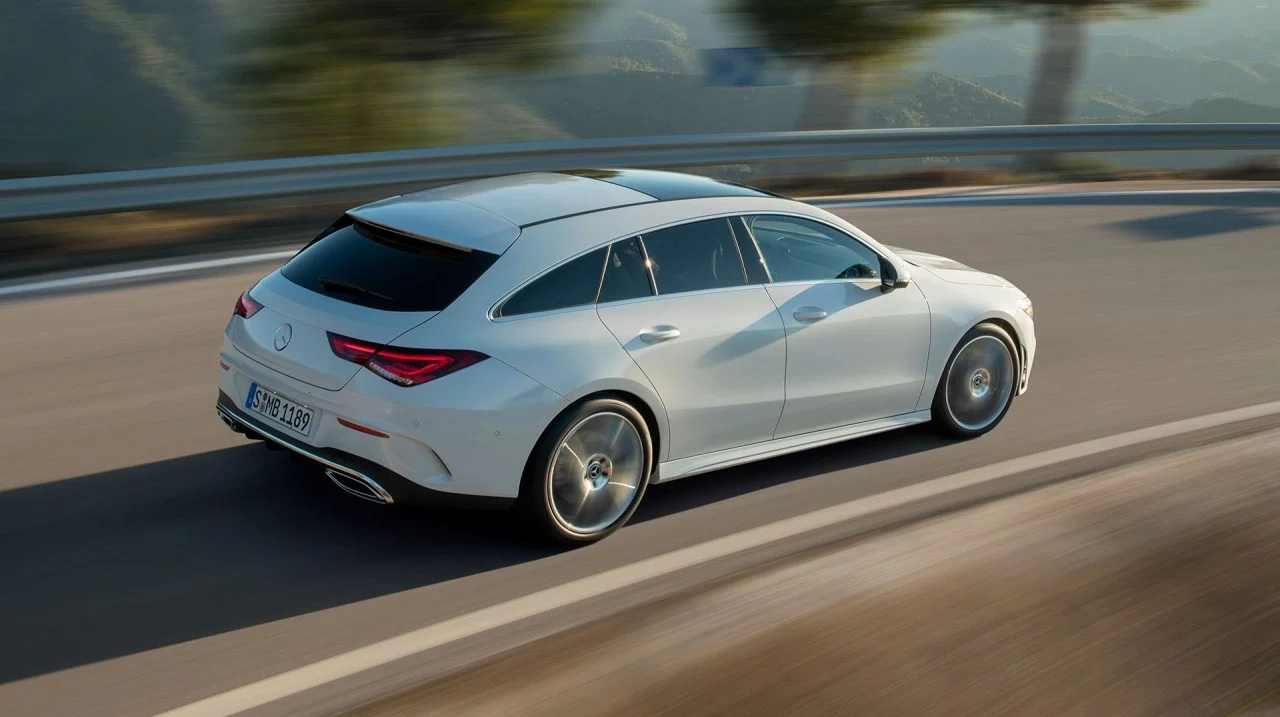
(294, 416)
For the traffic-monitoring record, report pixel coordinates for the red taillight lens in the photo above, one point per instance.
(351, 349)
(406, 367)
(247, 306)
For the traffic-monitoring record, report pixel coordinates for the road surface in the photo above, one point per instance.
(149, 558)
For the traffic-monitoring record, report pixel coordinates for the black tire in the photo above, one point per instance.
(952, 420)
(541, 493)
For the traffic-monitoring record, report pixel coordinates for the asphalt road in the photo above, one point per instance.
(148, 557)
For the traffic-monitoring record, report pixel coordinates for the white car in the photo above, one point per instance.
(559, 341)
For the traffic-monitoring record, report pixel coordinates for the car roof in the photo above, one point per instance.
(486, 214)
(665, 186)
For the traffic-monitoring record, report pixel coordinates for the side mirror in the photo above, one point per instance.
(889, 278)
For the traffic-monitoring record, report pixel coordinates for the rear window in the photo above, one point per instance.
(379, 269)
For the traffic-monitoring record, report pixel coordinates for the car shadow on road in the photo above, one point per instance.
(120, 562)
(1200, 223)
(696, 491)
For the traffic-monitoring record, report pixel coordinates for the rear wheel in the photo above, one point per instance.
(978, 385)
(589, 472)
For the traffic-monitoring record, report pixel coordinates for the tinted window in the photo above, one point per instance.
(797, 249)
(384, 270)
(625, 276)
(572, 284)
(693, 257)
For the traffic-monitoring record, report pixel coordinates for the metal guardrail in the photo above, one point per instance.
(46, 197)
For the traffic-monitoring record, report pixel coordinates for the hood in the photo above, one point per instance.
(948, 270)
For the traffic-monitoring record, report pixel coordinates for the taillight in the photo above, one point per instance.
(247, 306)
(406, 367)
(351, 349)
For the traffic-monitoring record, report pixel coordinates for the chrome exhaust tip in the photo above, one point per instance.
(359, 486)
(229, 421)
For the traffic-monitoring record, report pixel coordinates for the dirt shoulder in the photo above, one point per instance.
(1149, 590)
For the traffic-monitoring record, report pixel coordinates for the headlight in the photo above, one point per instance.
(1025, 304)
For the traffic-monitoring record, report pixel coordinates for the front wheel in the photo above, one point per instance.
(588, 473)
(978, 385)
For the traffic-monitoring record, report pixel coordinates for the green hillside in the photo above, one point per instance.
(939, 100)
(1091, 102)
(1223, 109)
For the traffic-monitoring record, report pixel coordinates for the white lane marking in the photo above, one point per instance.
(1028, 197)
(75, 282)
(344, 665)
(190, 266)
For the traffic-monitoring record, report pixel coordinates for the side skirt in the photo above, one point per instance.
(693, 465)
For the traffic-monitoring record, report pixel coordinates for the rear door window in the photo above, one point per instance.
(371, 267)
(574, 283)
(694, 257)
(625, 275)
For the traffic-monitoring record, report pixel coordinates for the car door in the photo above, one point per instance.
(712, 345)
(854, 351)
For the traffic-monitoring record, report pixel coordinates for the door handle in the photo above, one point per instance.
(807, 314)
(658, 334)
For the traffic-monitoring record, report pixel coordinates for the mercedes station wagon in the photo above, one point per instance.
(556, 342)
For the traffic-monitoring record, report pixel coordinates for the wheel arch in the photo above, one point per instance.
(631, 398)
(940, 355)
(1010, 328)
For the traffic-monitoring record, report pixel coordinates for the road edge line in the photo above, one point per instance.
(316, 674)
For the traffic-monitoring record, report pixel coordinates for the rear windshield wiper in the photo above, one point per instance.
(337, 285)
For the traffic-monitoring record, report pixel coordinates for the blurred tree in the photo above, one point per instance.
(1064, 34)
(320, 76)
(1062, 44)
(839, 39)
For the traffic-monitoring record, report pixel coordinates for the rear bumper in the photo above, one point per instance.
(358, 476)
(469, 433)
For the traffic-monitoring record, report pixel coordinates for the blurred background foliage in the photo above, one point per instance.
(363, 75)
(110, 84)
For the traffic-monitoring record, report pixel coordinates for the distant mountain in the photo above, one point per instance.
(1105, 102)
(1128, 66)
(939, 100)
(1091, 102)
(1264, 47)
(1223, 109)
(975, 55)
(1130, 45)
(1182, 80)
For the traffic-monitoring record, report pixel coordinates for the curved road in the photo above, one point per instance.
(149, 558)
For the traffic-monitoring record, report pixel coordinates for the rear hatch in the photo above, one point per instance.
(357, 280)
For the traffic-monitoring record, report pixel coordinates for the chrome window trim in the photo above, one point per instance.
(491, 313)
